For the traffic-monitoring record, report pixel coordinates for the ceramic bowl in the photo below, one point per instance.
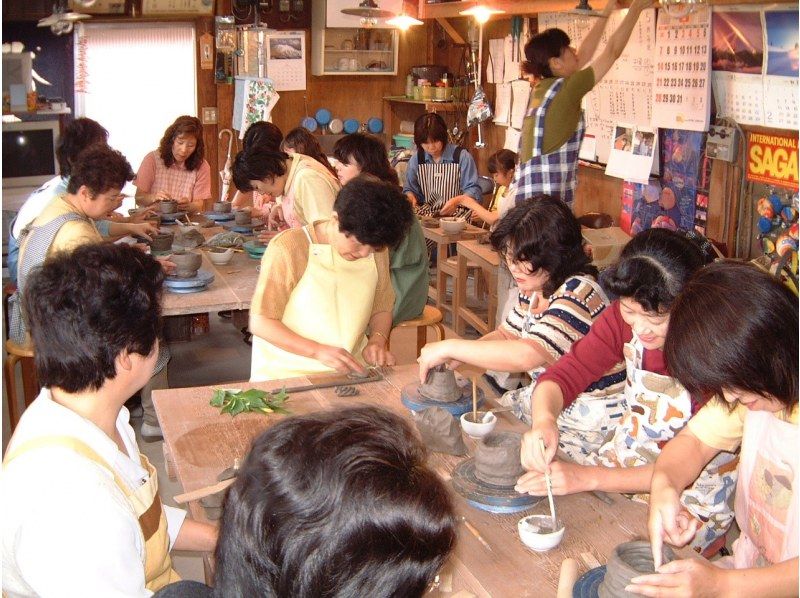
(162, 242)
(187, 263)
(222, 207)
(536, 533)
(168, 206)
(452, 225)
(220, 256)
(242, 217)
(480, 429)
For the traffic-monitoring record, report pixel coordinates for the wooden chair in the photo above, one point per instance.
(23, 355)
(431, 317)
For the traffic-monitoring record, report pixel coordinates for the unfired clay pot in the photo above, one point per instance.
(187, 263)
(222, 207)
(168, 206)
(242, 217)
(161, 242)
(629, 560)
(440, 386)
(497, 460)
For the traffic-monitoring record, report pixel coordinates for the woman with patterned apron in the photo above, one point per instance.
(743, 351)
(323, 286)
(553, 128)
(653, 407)
(82, 515)
(177, 169)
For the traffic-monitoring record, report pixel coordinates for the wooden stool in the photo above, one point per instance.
(430, 317)
(30, 386)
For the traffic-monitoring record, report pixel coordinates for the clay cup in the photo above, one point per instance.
(161, 242)
(242, 217)
(168, 206)
(222, 207)
(187, 263)
(497, 460)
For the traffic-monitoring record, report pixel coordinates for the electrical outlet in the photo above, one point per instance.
(283, 5)
(209, 115)
(722, 143)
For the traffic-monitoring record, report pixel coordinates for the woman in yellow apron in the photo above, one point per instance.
(323, 286)
(733, 336)
(82, 515)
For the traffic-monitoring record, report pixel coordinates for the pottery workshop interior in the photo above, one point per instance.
(402, 298)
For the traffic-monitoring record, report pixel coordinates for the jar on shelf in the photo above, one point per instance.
(427, 91)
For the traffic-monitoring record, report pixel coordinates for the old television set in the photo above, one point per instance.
(29, 153)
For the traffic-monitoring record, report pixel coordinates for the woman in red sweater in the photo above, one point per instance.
(651, 272)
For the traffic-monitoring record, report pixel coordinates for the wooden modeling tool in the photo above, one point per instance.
(567, 578)
(549, 485)
(474, 531)
(203, 492)
(474, 399)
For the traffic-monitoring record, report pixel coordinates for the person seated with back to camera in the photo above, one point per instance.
(81, 510)
(321, 287)
(733, 336)
(337, 504)
(302, 141)
(360, 153)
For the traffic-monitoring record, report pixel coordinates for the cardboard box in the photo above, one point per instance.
(607, 244)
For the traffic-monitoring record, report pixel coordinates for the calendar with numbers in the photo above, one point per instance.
(755, 66)
(624, 93)
(681, 91)
(286, 59)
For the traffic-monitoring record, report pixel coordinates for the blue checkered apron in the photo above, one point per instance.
(553, 174)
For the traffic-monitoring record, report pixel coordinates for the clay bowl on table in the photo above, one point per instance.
(536, 532)
(161, 242)
(222, 207)
(452, 225)
(480, 428)
(168, 206)
(220, 256)
(242, 217)
(187, 263)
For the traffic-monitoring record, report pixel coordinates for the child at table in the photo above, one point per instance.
(559, 299)
(323, 286)
(177, 169)
(616, 444)
(733, 336)
(338, 503)
(81, 510)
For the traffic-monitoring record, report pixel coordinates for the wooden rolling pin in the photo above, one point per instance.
(567, 578)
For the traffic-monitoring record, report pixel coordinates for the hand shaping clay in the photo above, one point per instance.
(440, 386)
(629, 560)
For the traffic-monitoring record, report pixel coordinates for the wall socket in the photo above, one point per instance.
(722, 143)
(209, 115)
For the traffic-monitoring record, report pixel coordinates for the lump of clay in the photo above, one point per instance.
(497, 460)
(629, 560)
(439, 431)
(440, 386)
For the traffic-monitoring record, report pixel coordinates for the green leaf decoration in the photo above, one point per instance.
(250, 401)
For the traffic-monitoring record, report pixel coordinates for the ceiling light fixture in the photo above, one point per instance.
(403, 21)
(369, 12)
(481, 12)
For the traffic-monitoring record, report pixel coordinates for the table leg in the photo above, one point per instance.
(441, 277)
(460, 296)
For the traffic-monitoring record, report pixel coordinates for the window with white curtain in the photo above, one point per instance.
(135, 79)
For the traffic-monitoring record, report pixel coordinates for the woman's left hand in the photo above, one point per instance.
(143, 229)
(688, 577)
(168, 266)
(376, 354)
(142, 216)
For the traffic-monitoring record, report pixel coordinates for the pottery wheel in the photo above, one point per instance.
(487, 497)
(587, 584)
(411, 398)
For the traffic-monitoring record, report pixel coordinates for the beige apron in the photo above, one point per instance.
(332, 304)
(145, 501)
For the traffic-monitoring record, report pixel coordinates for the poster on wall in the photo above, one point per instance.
(754, 61)
(772, 159)
(681, 90)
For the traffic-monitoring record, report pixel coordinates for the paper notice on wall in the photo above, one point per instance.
(631, 153)
(494, 73)
(520, 95)
(681, 91)
(512, 139)
(588, 150)
(502, 103)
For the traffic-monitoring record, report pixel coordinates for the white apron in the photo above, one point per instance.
(332, 304)
(145, 501)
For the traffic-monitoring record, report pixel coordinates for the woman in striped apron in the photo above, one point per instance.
(553, 128)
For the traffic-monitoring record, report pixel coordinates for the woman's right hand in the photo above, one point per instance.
(338, 359)
(668, 520)
(434, 354)
(545, 429)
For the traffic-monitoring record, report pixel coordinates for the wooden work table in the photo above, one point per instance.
(483, 256)
(199, 443)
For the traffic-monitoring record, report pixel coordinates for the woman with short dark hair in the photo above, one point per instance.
(177, 169)
(613, 445)
(733, 336)
(262, 135)
(322, 286)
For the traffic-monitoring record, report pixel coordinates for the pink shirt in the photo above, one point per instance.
(154, 176)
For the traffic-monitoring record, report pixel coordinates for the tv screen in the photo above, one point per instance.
(29, 153)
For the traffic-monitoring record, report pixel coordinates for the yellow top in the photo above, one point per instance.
(718, 427)
(72, 234)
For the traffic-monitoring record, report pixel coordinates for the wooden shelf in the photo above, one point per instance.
(430, 106)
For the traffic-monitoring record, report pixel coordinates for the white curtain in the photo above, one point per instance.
(135, 79)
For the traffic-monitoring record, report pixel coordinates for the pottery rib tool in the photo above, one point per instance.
(376, 377)
(474, 531)
(567, 578)
(549, 485)
(203, 492)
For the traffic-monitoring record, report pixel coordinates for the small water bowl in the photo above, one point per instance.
(480, 428)
(536, 532)
(220, 256)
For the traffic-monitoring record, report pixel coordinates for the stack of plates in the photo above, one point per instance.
(170, 218)
(199, 282)
(255, 250)
(219, 216)
(243, 228)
